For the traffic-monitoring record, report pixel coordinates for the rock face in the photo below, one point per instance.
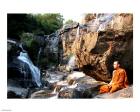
(99, 42)
(14, 90)
(41, 94)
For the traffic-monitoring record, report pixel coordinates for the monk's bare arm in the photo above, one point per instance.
(111, 82)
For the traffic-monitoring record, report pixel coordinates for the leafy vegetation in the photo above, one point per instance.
(38, 24)
(70, 21)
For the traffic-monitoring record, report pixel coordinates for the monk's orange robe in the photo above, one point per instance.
(119, 81)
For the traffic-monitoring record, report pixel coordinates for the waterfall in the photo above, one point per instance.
(104, 20)
(55, 90)
(78, 32)
(100, 23)
(20, 46)
(71, 63)
(53, 40)
(35, 72)
(38, 56)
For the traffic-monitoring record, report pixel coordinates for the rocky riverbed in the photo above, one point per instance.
(72, 86)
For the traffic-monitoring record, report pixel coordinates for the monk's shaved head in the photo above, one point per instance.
(116, 64)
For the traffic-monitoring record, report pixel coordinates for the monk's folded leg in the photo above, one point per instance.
(115, 88)
(104, 89)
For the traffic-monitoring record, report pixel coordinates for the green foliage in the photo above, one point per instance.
(16, 24)
(50, 22)
(70, 21)
(32, 45)
(33, 50)
(27, 38)
(39, 24)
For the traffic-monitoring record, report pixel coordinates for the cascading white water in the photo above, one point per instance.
(104, 20)
(71, 62)
(38, 56)
(78, 32)
(35, 72)
(20, 45)
(53, 42)
(100, 23)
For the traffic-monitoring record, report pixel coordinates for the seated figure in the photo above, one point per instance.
(119, 80)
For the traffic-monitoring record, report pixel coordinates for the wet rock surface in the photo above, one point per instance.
(14, 90)
(82, 87)
(75, 85)
(42, 94)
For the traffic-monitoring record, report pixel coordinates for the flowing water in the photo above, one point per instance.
(38, 56)
(71, 62)
(35, 72)
(100, 23)
(78, 32)
(64, 84)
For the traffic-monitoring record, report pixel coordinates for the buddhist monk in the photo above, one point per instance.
(119, 80)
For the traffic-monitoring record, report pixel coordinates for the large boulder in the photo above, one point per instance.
(123, 21)
(80, 87)
(96, 48)
(42, 94)
(50, 79)
(14, 90)
(96, 58)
